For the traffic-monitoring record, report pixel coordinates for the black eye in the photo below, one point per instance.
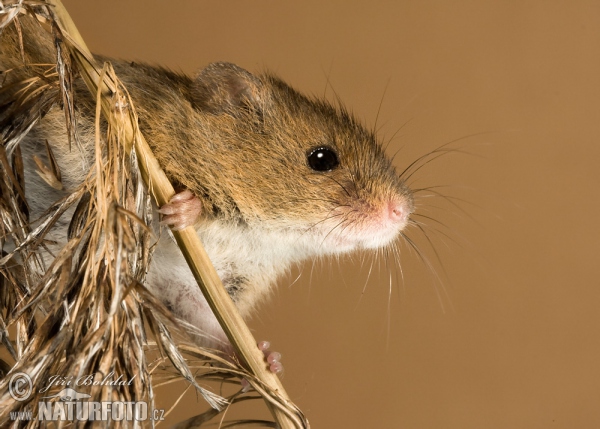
(322, 159)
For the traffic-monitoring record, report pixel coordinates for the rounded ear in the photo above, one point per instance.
(224, 87)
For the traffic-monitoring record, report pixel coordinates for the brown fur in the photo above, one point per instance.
(240, 143)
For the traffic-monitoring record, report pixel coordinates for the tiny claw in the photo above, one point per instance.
(167, 209)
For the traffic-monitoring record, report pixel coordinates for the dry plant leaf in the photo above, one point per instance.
(78, 306)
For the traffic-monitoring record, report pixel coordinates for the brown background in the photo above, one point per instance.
(508, 337)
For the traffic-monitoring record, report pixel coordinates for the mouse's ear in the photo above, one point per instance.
(225, 87)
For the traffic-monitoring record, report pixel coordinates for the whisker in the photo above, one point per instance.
(429, 265)
(340, 185)
(443, 148)
(439, 231)
(438, 154)
(435, 252)
(310, 278)
(396, 251)
(364, 289)
(395, 254)
(450, 198)
(332, 216)
(328, 79)
(389, 311)
(429, 218)
(387, 84)
(296, 279)
(394, 136)
(347, 225)
(333, 229)
(448, 210)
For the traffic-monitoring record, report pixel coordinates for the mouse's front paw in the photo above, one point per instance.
(272, 358)
(183, 210)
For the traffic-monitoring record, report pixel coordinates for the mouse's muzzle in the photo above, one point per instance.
(367, 224)
(382, 222)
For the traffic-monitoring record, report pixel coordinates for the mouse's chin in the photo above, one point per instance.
(349, 241)
(377, 242)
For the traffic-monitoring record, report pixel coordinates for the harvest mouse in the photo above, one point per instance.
(269, 177)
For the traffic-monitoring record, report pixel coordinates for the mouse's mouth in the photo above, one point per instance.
(365, 225)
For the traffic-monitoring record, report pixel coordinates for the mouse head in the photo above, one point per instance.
(298, 164)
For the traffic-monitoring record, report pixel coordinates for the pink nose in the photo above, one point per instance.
(397, 211)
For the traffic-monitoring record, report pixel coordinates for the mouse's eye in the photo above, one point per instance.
(322, 159)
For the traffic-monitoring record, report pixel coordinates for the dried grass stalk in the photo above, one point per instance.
(83, 309)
